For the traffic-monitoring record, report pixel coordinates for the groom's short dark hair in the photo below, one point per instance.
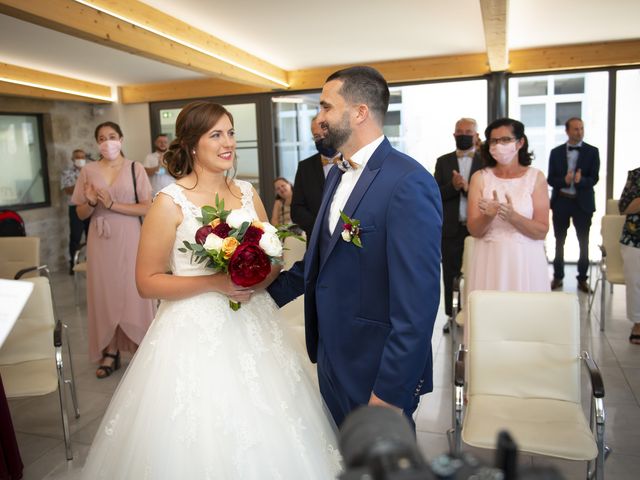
(364, 85)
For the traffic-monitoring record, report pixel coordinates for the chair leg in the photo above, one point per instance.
(76, 288)
(72, 378)
(592, 296)
(63, 404)
(603, 292)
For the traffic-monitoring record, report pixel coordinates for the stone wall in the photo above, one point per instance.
(67, 126)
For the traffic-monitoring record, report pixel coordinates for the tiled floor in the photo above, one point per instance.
(37, 420)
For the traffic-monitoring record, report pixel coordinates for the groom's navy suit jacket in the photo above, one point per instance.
(372, 309)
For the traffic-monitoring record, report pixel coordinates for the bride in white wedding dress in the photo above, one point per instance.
(211, 393)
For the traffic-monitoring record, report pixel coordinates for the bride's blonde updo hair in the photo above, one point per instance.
(194, 120)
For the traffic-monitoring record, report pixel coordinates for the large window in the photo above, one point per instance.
(627, 108)
(420, 121)
(544, 104)
(24, 181)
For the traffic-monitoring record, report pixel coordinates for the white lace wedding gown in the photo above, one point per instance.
(214, 394)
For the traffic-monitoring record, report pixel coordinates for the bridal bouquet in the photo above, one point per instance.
(232, 242)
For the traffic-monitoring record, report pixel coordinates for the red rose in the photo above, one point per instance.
(252, 235)
(202, 233)
(222, 230)
(249, 265)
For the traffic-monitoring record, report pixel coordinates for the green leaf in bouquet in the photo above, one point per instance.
(242, 230)
(183, 250)
(356, 241)
(208, 214)
(284, 232)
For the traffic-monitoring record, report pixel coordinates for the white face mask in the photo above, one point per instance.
(110, 149)
(503, 154)
(79, 162)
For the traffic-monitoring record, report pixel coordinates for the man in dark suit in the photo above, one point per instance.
(453, 172)
(371, 292)
(309, 181)
(573, 171)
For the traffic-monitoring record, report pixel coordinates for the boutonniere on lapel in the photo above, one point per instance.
(351, 230)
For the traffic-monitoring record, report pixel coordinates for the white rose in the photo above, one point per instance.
(346, 235)
(271, 245)
(213, 242)
(268, 228)
(237, 217)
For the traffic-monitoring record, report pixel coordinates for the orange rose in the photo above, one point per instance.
(257, 224)
(229, 246)
(215, 222)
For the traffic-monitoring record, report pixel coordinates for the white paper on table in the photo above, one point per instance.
(13, 297)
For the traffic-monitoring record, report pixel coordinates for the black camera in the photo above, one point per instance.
(378, 444)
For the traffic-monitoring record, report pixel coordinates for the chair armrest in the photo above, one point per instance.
(459, 367)
(457, 281)
(57, 334)
(597, 385)
(76, 256)
(42, 270)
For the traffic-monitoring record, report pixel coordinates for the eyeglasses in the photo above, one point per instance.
(502, 140)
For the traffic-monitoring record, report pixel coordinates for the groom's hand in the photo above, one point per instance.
(375, 401)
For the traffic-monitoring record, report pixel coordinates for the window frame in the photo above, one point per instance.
(44, 164)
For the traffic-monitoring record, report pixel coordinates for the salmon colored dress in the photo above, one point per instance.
(113, 304)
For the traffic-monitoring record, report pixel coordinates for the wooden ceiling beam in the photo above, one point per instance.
(401, 71)
(184, 89)
(49, 85)
(568, 57)
(494, 20)
(134, 27)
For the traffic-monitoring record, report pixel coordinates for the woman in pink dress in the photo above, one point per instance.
(508, 215)
(106, 192)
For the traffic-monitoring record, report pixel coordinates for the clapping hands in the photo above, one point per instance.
(505, 210)
(459, 182)
(489, 207)
(494, 207)
(90, 193)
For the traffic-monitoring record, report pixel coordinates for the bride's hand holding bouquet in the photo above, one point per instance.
(232, 242)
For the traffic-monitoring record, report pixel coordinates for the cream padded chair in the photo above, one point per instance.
(523, 364)
(460, 290)
(611, 265)
(612, 207)
(31, 362)
(17, 253)
(294, 250)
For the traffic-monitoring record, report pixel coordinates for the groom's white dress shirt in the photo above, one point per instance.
(349, 180)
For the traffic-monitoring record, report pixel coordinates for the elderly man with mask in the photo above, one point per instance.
(68, 180)
(309, 181)
(453, 171)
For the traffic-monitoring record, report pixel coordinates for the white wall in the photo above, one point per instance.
(135, 124)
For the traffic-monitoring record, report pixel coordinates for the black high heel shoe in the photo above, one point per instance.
(103, 371)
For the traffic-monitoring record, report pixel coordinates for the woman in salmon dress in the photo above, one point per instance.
(118, 317)
(508, 215)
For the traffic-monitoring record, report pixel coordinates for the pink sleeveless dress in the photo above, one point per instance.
(505, 259)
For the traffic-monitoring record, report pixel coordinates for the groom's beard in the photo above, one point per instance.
(337, 135)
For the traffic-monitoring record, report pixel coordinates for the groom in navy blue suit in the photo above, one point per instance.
(369, 310)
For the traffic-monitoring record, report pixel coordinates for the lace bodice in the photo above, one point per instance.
(520, 190)
(180, 262)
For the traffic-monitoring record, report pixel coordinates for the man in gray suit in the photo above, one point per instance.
(453, 172)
